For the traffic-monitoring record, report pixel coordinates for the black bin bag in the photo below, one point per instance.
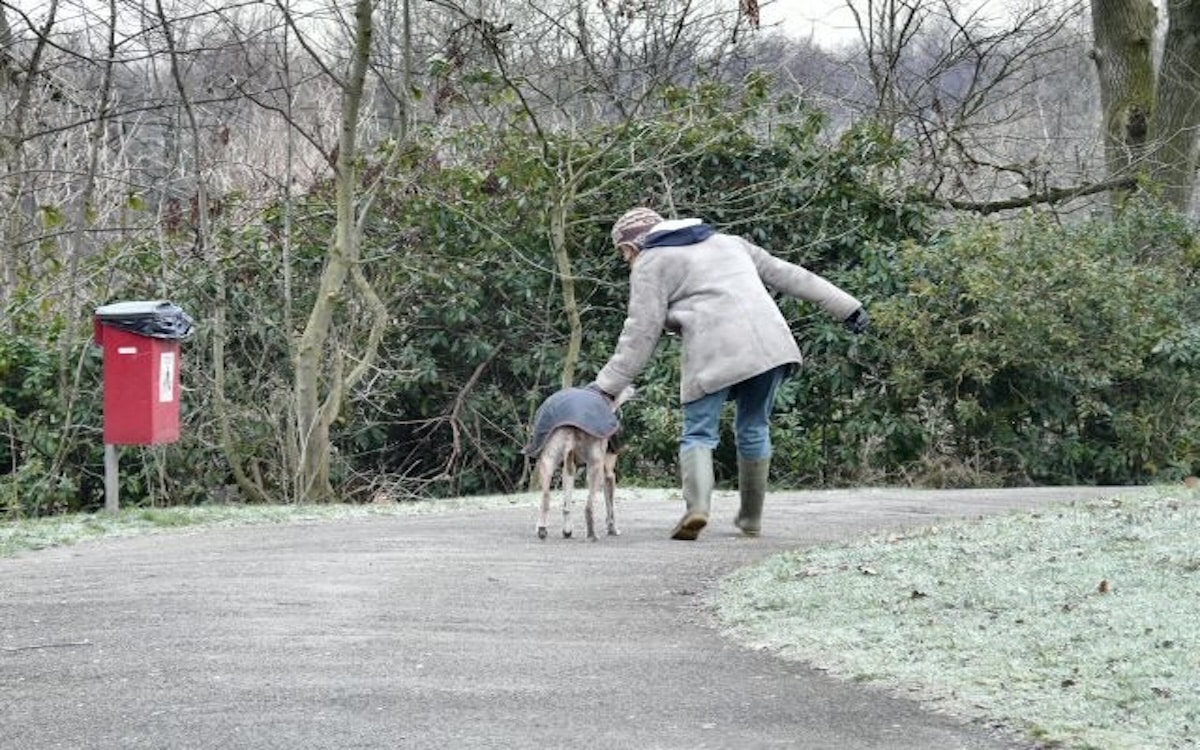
(159, 319)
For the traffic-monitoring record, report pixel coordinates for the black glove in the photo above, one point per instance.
(592, 386)
(858, 321)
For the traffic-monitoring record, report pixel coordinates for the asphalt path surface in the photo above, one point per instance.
(447, 631)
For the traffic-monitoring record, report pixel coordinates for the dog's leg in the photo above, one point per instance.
(595, 479)
(610, 492)
(552, 455)
(545, 472)
(591, 451)
(568, 487)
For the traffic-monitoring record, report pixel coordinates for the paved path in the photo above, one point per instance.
(451, 631)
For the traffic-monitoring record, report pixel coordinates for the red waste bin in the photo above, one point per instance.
(141, 370)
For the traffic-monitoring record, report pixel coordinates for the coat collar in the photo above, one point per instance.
(677, 232)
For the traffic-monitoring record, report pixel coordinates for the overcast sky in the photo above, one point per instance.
(830, 23)
(826, 21)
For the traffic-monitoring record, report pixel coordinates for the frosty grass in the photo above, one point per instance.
(1077, 625)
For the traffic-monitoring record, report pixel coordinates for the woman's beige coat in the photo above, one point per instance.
(717, 295)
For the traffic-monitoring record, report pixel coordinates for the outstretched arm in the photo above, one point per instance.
(798, 281)
(643, 325)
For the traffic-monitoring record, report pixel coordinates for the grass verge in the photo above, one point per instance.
(41, 533)
(1078, 625)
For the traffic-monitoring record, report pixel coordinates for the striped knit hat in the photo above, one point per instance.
(633, 226)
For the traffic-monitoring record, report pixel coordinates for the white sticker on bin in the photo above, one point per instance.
(166, 378)
(126, 350)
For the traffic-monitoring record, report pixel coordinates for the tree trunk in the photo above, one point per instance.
(1123, 33)
(8, 147)
(71, 373)
(16, 198)
(562, 259)
(1151, 124)
(1176, 127)
(314, 413)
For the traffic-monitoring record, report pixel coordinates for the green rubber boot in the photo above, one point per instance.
(696, 473)
(752, 486)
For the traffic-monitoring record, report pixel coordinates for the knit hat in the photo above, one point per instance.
(633, 226)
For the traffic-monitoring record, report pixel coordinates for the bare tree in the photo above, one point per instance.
(987, 94)
(1176, 125)
(24, 82)
(971, 87)
(394, 68)
(147, 128)
(321, 377)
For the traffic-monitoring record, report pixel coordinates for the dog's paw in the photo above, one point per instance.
(566, 533)
(612, 531)
(541, 532)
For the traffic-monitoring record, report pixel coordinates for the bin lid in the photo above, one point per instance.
(158, 318)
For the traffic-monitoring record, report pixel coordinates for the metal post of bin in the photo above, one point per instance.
(112, 484)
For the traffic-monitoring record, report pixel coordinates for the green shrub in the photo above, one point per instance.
(1000, 353)
(1036, 353)
(48, 430)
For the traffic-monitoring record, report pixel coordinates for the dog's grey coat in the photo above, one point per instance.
(573, 407)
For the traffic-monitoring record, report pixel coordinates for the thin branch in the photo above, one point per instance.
(455, 416)
(1053, 195)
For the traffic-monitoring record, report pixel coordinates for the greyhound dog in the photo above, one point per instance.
(573, 427)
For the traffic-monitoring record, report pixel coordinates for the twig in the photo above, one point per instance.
(459, 404)
(1053, 195)
(63, 644)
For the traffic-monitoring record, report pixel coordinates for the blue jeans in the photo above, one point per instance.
(755, 398)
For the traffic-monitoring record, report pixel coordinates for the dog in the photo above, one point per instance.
(574, 427)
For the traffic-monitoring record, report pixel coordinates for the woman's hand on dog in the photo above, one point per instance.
(597, 389)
